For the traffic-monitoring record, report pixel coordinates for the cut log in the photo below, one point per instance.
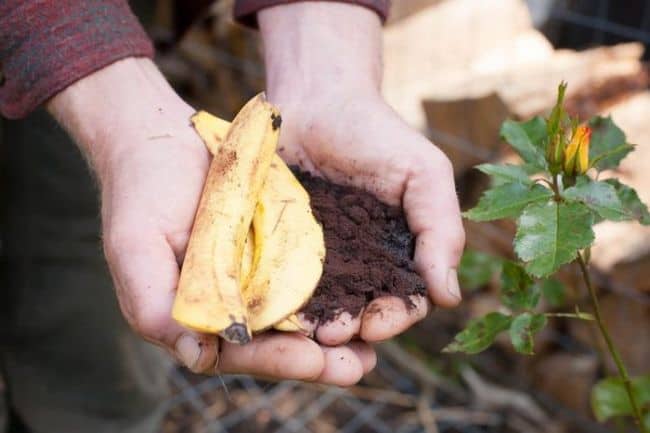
(424, 51)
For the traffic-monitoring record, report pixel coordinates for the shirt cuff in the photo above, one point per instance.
(45, 46)
(246, 10)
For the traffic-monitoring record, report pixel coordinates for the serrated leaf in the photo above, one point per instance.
(476, 269)
(523, 329)
(518, 290)
(609, 398)
(506, 173)
(611, 156)
(553, 291)
(550, 234)
(528, 139)
(631, 202)
(601, 197)
(507, 200)
(608, 144)
(479, 334)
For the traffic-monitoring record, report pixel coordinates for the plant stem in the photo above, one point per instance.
(613, 351)
(556, 188)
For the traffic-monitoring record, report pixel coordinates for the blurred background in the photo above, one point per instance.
(455, 69)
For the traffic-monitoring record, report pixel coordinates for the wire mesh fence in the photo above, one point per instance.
(391, 399)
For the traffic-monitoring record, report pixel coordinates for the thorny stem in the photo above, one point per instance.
(613, 351)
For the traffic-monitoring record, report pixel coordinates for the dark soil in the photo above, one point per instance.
(369, 251)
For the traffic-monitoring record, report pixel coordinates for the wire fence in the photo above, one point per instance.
(392, 400)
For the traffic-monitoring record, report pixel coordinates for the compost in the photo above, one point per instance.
(369, 250)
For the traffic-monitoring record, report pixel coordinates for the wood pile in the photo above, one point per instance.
(484, 62)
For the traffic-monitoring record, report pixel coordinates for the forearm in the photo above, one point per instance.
(312, 48)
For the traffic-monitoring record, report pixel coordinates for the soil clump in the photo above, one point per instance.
(369, 250)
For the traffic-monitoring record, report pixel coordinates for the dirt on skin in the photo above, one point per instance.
(369, 250)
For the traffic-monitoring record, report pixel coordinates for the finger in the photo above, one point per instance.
(366, 353)
(343, 367)
(338, 331)
(145, 273)
(433, 214)
(388, 316)
(274, 355)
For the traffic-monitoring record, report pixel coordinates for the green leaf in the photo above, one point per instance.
(507, 200)
(528, 139)
(517, 288)
(550, 234)
(479, 334)
(476, 269)
(607, 159)
(601, 197)
(507, 173)
(554, 291)
(631, 202)
(523, 329)
(608, 144)
(609, 398)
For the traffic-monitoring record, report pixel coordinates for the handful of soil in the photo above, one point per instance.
(369, 250)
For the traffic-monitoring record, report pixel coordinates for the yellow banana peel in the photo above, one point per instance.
(278, 257)
(209, 297)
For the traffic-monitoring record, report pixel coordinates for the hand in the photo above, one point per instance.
(151, 167)
(323, 71)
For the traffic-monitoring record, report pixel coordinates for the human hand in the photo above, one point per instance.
(151, 166)
(323, 71)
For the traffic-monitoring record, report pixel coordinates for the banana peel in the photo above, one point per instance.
(209, 297)
(290, 324)
(281, 255)
(289, 250)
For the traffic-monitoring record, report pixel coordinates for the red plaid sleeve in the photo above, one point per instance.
(47, 45)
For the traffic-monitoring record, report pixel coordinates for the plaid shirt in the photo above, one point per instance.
(47, 45)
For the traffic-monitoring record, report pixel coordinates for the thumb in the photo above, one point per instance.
(146, 273)
(433, 214)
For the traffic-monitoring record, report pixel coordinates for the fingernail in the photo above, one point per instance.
(188, 350)
(452, 284)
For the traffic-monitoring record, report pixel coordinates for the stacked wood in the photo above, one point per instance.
(459, 68)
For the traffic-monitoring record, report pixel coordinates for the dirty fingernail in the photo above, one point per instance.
(452, 283)
(188, 350)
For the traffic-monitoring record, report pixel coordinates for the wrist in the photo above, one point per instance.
(117, 107)
(317, 50)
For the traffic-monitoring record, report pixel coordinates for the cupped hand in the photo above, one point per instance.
(324, 71)
(360, 141)
(151, 167)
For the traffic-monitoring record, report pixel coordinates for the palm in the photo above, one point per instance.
(365, 144)
(148, 210)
